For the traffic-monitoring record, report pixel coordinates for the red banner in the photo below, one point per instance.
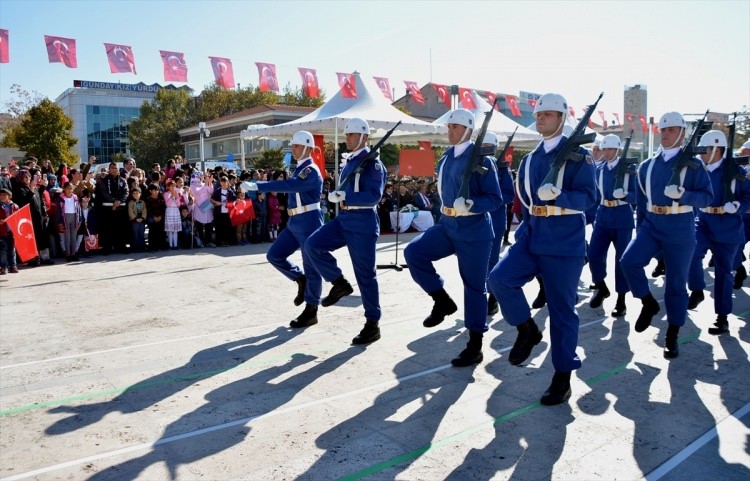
(267, 81)
(443, 93)
(509, 155)
(644, 123)
(347, 85)
(318, 154)
(467, 99)
(604, 120)
(572, 111)
(385, 87)
(4, 47)
(223, 72)
(63, 50)
(241, 212)
(617, 118)
(532, 102)
(630, 121)
(309, 82)
(20, 225)
(416, 163)
(414, 91)
(512, 101)
(120, 58)
(491, 99)
(424, 144)
(175, 68)
(655, 129)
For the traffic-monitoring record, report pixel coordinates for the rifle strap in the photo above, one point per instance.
(625, 182)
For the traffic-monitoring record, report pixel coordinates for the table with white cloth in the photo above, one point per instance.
(421, 220)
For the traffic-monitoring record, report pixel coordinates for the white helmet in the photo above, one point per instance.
(598, 141)
(357, 126)
(462, 117)
(303, 138)
(491, 138)
(671, 119)
(555, 102)
(713, 138)
(610, 141)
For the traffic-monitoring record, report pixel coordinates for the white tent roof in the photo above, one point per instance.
(370, 105)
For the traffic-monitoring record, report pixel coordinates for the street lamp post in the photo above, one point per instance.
(204, 132)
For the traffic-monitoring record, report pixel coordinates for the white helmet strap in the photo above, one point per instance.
(676, 140)
(558, 131)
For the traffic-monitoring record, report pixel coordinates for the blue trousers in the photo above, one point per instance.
(289, 240)
(361, 246)
(677, 257)
(436, 243)
(724, 279)
(7, 251)
(601, 238)
(498, 217)
(560, 276)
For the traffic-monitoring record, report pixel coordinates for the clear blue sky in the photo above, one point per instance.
(691, 55)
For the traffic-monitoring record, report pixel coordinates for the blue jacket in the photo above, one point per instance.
(305, 185)
(621, 216)
(725, 228)
(362, 190)
(505, 179)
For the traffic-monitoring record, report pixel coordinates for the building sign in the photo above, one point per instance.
(139, 87)
(528, 95)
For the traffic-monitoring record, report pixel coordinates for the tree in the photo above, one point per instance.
(153, 135)
(45, 132)
(20, 103)
(270, 159)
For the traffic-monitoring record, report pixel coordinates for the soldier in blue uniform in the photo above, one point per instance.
(550, 241)
(356, 226)
(499, 215)
(613, 224)
(720, 228)
(665, 223)
(464, 230)
(305, 217)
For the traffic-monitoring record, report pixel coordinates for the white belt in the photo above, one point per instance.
(303, 209)
(549, 210)
(108, 204)
(669, 209)
(613, 203)
(359, 207)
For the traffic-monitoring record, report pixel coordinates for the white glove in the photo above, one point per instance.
(619, 194)
(462, 206)
(548, 192)
(731, 207)
(674, 191)
(249, 186)
(336, 196)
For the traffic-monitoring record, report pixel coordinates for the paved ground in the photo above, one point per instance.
(182, 367)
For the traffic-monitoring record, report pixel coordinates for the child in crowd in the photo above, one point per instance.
(138, 213)
(172, 219)
(155, 207)
(274, 216)
(221, 197)
(240, 217)
(186, 237)
(7, 244)
(261, 214)
(86, 222)
(201, 188)
(67, 218)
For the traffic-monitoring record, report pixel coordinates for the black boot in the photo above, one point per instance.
(648, 311)
(528, 337)
(602, 292)
(541, 298)
(721, 325)
(558, 391)
(659, 270)
(671, 350)
(473, 352)
(369, 333)
(443, 306)
(339, 289)
(308, 317)
(620, 309)
(696, 297)
(739, 277)
(492, 305)
(301, 283)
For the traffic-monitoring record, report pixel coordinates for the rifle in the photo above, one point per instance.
(475, 163)
(575, 141)
(371, 155)
(624, 164)
(501, 157)
(686, 157)
(731, 167)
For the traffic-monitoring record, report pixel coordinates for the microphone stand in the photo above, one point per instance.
(396, 266)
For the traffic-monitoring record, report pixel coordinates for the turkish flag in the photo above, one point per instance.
(591, 122)
(512, 101)
(414, 91)
(318, 154)
(425, 144)
(508, 156)
(617, 118)
(175, 68)
(532, 102)
(120, 58)
(241, 212)
(572, 112)
(346, 83)
(467, 99)
(385, 87)
(267, 74)
(309, 82)
(20, 225)
(443, 93)
(60, 49)
(655, 129)
(223, 72)
(491, 99)
(4, 47)
(416, 163)
(644, 124)
(630, 121)
(604, 121)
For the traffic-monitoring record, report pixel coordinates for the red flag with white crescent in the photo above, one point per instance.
(120, 58)
(467, 99)
(267, 77)
(617, 118)
(318, 154)
(424, 144)
(630, 121)
(532, 102)
(414, 91)
(175, 68)
(60, 49)
(491, 99)
(241, 212)
(385, 87)
(604, 120)
(223, 72)
(572, 111)
(20, 225)
(309, 82)
(644, 123)
(512, 101)
(4, 46)
(443, 93)
(655, 129)
(346, 83)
